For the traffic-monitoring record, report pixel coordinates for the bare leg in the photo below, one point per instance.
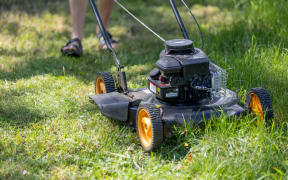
(105, 10)
(78, 11)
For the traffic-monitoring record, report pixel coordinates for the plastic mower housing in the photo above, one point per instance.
(182, 74)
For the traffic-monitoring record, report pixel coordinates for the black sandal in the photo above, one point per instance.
(72, 48)
(102, 41)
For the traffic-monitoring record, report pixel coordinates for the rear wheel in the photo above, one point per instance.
(149, 127)
(259, 102)
(104, 83)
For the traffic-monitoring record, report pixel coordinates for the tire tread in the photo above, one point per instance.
(265, 101)
(108, 81)
(157, 126)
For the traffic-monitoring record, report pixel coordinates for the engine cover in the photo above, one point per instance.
(184, 74)
(190, 61)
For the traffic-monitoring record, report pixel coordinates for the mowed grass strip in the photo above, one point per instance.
(50, 130)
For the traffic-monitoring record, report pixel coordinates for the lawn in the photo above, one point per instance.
(50, 130)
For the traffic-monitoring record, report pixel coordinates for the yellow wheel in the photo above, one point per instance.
(258, 101)
(149, 127)
(104, 83)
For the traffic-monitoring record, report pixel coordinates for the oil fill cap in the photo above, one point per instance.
(178, 46)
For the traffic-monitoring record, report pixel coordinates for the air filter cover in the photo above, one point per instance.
(179, 46)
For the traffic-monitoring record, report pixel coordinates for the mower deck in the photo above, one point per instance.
(124, 108)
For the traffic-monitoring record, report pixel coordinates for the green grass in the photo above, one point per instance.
(50, 130)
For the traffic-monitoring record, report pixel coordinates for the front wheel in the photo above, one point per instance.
(149, 127)
(259, 102)
(104, 83)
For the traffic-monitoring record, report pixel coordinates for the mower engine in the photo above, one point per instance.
(184, 74)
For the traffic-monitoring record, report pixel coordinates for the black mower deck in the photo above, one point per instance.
(124, 108)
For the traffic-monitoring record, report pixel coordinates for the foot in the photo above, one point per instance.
(102, 41)
(72, 48)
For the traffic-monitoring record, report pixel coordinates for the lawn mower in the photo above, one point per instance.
(184, 88)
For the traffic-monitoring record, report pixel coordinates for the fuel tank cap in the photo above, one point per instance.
(176, 46)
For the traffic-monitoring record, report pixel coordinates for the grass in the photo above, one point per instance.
(50, 130)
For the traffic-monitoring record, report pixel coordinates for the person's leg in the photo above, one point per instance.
(105, 10)
(78, 12)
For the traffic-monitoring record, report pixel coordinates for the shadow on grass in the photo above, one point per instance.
(19, 115)
(14, 110)
(33, 7)
(13, 52)
(84, 68)
(173, 149)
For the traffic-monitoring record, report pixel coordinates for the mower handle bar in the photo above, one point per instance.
(107, 39)
(104, 32)
(179, 19)
(121, 77)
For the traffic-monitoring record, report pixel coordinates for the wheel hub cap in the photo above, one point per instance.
(100, 86)
(256, 106)
(145, 127)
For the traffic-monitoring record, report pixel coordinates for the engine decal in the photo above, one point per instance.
(153, 87)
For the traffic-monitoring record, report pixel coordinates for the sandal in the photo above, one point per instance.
(72, 48)
(102, 41)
